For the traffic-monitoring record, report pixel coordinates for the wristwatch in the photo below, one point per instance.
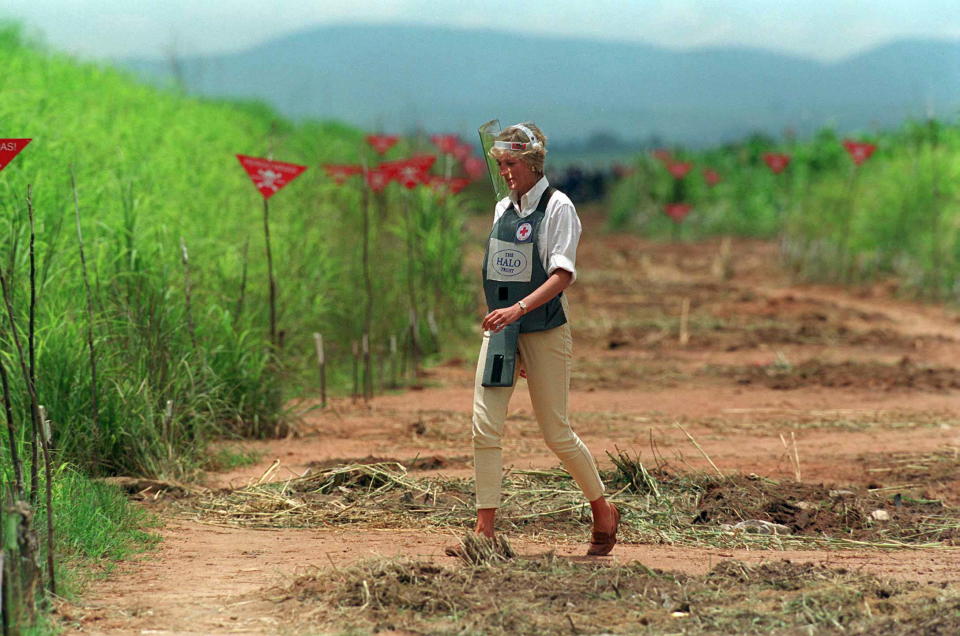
(523, 306)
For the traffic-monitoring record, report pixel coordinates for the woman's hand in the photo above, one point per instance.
(497, 319)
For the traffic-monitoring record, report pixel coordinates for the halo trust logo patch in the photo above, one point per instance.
(509, 262)
(524, 232)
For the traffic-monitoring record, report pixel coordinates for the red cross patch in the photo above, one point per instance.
(524, 230)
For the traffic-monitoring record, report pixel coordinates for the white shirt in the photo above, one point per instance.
(559, 231)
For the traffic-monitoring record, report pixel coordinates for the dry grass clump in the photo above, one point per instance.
(814, 510)
(377, 494)
(776, 419)
(476, 549)
(420, 462)
(905, 375)
(657, 505)
(548, 595)
(934, 474)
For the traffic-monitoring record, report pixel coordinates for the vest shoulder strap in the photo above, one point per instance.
(544, 200)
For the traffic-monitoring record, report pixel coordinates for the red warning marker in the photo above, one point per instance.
(475, 167)
(10, 148)
(776, 162)
(462, 151)
(456, 184)
(378, 178)
(447, 144)
(859, 151)
(382, 143)
(443, 186)
(340, 173)
(677, 211)
(409, 172)
(269, 176)
(663, 156)
(679, 169)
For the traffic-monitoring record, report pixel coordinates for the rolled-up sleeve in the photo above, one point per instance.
(561, 234)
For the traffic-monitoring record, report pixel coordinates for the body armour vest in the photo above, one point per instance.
(512, 270)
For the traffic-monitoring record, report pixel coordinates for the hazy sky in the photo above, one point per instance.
(823, 29)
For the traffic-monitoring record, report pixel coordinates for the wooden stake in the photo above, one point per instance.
(434, 329)
(796, 454)
(322, 367)
(187, 292)
(412, 286)
(274, 341)
(356, 370)
(11, 436)
(414, 343)
(722, 265)
(684, 322)
(367, 370)
(45, 441)
(166, 428)
(393, 361)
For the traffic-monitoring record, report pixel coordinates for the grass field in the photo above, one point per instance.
(136, 297)
(894, 216)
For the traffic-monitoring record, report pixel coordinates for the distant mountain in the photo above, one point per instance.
(403, 77)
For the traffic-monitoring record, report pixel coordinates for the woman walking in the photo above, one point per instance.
(530, 261)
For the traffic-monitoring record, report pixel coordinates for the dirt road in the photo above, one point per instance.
(782, 380)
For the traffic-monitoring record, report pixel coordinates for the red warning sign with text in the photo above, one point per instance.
(269, 176)
(10, 148)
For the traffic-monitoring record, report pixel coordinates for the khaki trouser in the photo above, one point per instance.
(546, 356)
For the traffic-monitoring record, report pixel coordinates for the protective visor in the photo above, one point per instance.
(488, 140)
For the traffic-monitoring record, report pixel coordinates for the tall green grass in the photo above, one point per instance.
(896, 215)
(95, 527)
(181, 347)
(156, 168)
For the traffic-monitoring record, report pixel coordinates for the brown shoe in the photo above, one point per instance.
(601, 543)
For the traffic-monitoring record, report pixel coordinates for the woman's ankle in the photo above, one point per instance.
(486, 518)
(602, 511)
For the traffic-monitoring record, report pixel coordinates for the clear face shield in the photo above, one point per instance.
(488, 137)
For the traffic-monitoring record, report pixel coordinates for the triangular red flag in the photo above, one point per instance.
(776, 162)
(677, 211)
(10, 148)
(443, 186)
(679, 170)
(446, 144)
(340, 173)
(409, 172)
(663, 156)
(378, 178)
(269, 176)
(475, 167)
(462, 151)
(859, 151)
(382, 143)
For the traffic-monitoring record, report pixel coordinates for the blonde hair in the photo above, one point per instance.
(534, 155)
